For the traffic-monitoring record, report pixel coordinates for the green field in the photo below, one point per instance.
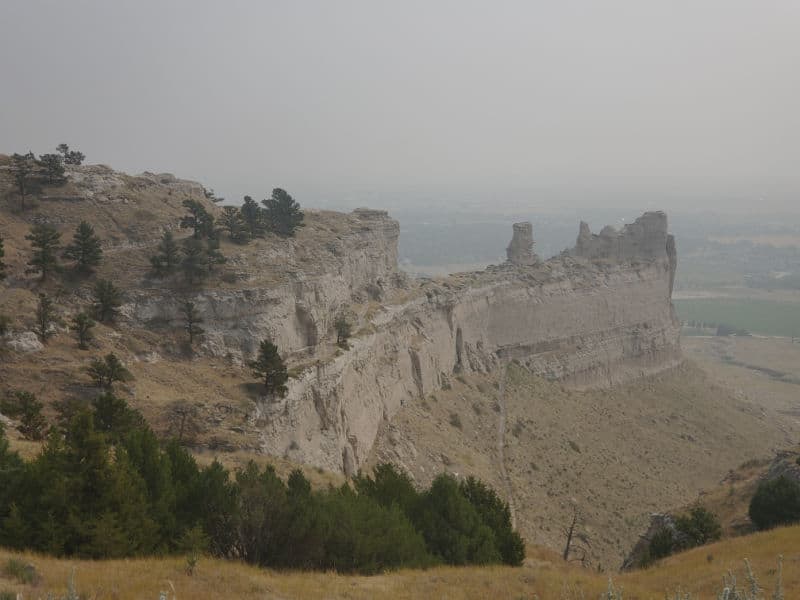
(764, 317)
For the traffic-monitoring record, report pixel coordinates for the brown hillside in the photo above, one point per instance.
(618, 455)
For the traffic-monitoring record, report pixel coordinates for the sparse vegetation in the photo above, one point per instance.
(20, 570)
(282, 213)
(183, 421)
(53, 168)
(697, 528)
(46, 318)
(455, 421)
(271, 369)
(193, 263)
(2, 264)
(27, 409)
(71, 157)
(234, 224)
(168, 258)
(107, 300)
(253, 217)
(107, 371)
(82, 325)
(85, 249)
(343, 329)
(45, 241)
(5, 325)
(199, 220)
(191, 320)
(24, 169)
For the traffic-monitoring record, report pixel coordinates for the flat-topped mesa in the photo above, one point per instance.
(644, 239)
(520, 250)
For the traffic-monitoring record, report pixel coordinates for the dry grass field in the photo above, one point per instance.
(544, 576)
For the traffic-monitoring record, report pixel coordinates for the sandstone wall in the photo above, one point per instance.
(644, 239)
(598, 317)
(294, 314)
(582, 326)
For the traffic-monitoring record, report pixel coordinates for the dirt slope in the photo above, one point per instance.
(616, 455)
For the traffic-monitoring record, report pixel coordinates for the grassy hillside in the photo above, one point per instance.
(544, 576)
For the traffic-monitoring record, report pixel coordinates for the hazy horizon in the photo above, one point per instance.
(670, 105)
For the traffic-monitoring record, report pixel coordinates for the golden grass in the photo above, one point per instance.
(544, 576)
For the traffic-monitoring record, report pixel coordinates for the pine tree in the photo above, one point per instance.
(25, 170)
(45, 241)
(214, 256)
(270, 367)
(2, 264)
(71, 157)
(198, 219)
(343, 329)
(45, 318)
(25, 407)
(85, 248)
(194, 263)
(233, 222)
(108, 370)
(191, 320)
(107, 300)
(82, 325)
(5, 324)
(282, 213)
(168, 257)
(53, 167)
(253, 216)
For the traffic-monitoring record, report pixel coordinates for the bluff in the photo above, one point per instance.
(587, 318)
(598, 314)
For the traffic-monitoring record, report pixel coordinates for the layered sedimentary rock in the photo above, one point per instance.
(586, 320)
(520, 250)
(297, 312)
(596, 315)
(644, 239)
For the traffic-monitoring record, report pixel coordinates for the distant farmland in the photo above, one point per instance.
(764, 317)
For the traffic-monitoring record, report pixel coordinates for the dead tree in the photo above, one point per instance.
(577, 545)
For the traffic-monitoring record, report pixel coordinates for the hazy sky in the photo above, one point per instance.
(659, 100)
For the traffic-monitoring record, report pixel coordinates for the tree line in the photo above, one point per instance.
(198, 255)
(30, 173)
(103, 486)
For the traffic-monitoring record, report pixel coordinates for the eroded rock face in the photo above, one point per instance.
(600, 316)
(520, 250)
(566, 319)
(294, 314)
(644, 239)
(26, 341)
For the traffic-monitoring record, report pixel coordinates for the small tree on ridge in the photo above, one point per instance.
(270, 368)
(45, 241)
(85, 248)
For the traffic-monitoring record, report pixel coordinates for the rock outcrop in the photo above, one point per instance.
(644, 239)
(585, 320)
(596, 315)
(296, 312)
(520, 250)
(640, 553)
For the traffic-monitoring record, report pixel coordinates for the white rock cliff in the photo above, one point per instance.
(597, 315)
